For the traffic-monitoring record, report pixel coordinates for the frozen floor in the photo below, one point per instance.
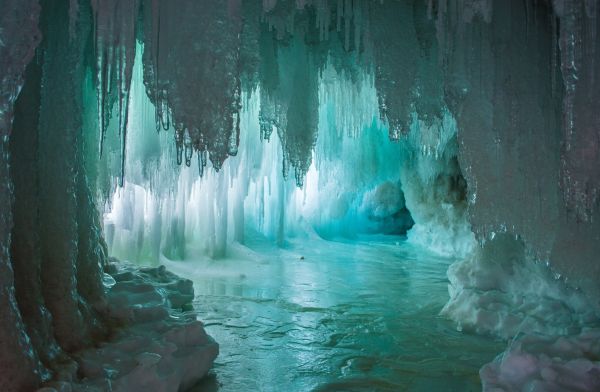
(333, 316)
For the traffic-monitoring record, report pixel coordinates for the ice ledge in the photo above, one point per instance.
(157, 343)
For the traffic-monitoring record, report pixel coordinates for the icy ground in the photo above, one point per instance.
(322, 316)
(157, 344)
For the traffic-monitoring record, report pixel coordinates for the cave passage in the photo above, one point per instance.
(331, 285)
(312, 287)
(299, 195)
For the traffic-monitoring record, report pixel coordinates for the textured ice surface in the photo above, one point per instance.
(156, 344)
(546, 363)
(359, 315)
(552, 328)
(191, 72)
(500, 290)
(435, 189)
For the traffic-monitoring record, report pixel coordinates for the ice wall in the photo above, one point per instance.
(19, 35)
(53, 285)
(518, 169)
(534, 217)
(318, 75)
(166, 210)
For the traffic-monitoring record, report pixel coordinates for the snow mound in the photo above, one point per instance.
(539, 363)
(500, 290)
(157, 345)
(553, 328)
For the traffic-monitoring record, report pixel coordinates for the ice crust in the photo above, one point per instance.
(543, 363)
(552, 329)
(156, 342)
(500, 290)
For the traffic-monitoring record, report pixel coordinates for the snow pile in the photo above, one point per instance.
(500, 290)
(539, 363)
(157, 343)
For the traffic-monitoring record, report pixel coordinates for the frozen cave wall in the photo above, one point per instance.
(20, 363)
(533, 172)
(493, 104)
(61, 296)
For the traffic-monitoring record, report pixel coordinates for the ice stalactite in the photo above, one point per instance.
(114, 44)
(169, 211)
(296, 40)
(297, 107)
(195, 89)
(396, 62)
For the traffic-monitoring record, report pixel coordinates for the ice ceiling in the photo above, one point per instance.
(518, 79)
(493, 104)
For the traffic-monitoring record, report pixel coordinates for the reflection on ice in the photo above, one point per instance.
(325, 315)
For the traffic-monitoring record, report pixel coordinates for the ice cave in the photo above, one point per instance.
(299, 195)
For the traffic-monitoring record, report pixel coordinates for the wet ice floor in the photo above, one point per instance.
(334, 316)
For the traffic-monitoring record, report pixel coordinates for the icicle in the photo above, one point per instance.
(201, 164)
(164, 112)
(189, 149)
(179, 147)
(234, 138)
(204, 157)
(101, 87)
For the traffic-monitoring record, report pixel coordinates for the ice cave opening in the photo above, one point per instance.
(307, 195)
